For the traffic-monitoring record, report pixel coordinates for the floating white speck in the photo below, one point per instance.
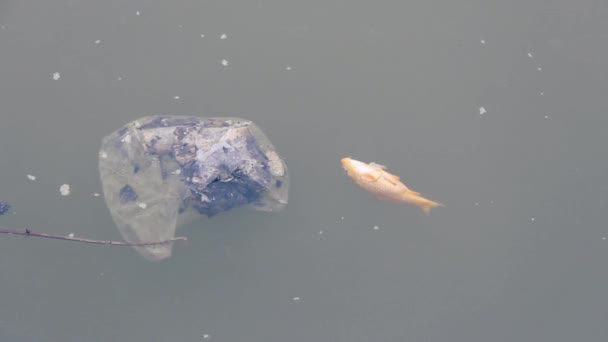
(224, 62)
(64, 189)
(320, 232)
(532, 219)
(137, 13)
(223, 36)
(206, 336)
(546, 116)
(288, 68)
(142, 205)
(71, 235)
(539, 69)
(530, 55)
(482, 41)
(96, 195)
(97, 41)
(56, 76)
(176, 97)
(482, 111)
(119, 78)
(477, 203)
(376, 227)
(542, 93)
(342, 218)
(202, 35)
(103, 154)
(31, 177)
(603, 238)
(296, 299)
(176, 171)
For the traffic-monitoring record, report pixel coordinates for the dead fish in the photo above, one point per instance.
(386, 186)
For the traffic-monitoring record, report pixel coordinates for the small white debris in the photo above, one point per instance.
(206, 336)
(476, 203)
(542, 93)
(142, 205)
(103, 154)
(296, 299)
(539, 69)
(119, 78)
(223, 36)
(71, 235)
(482, 41)
(64, 189)
(546, 116)
(224, 62)
(530, 55)
(137, 13)
(532, 219)
(342, 218)
(202, 35)
(96, 195)
(482, 111)
(97, 41)
(603, 238)
(320, 232)
(376, 227)
(176, 172)
(288, 68)
(56, 76)
(31, 177)
(176, 97)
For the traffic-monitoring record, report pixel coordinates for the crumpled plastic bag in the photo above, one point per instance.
(161, 172)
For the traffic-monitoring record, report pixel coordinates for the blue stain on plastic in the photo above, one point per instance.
(4, 207)
(127, 194)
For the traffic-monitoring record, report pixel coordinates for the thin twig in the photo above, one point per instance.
(27, 232)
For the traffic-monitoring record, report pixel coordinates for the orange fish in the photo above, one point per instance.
(386, 186)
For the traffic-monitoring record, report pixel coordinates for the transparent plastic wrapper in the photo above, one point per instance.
(161, 172)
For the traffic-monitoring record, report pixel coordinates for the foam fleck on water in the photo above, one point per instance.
(64, 189)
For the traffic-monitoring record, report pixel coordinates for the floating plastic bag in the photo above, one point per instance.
(161, 172)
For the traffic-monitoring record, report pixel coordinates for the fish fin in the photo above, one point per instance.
(371, 177)
(380, 166)
(393, 179)
(411, 192)
(428, 205)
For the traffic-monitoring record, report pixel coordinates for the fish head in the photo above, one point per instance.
(353, 166)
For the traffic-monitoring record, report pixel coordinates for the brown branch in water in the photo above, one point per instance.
(27, 232)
